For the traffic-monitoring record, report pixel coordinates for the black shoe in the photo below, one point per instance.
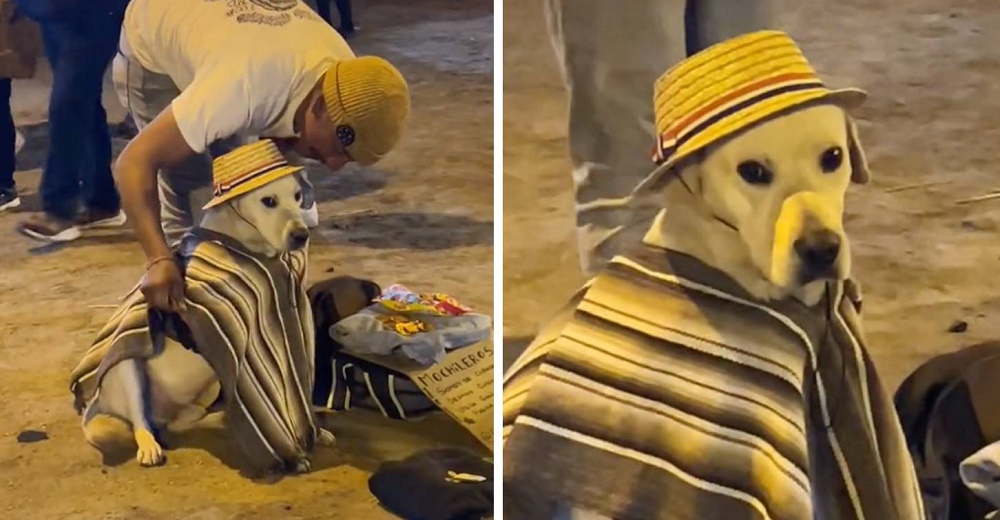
(126, 129)
(9, 200)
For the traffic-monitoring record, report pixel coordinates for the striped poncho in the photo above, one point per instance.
(666, 392)
(249, 317)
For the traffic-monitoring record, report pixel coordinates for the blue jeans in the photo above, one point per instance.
(344, 7)
(6, 138)
(78, 168)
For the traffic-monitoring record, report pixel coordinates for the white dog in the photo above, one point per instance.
(176, 388)
(767, 207)
(718, 371)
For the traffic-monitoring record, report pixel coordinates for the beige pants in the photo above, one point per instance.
(611, 54)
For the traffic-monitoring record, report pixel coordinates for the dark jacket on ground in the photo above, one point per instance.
(948, 408)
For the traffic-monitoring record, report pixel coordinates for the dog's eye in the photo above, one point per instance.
(754, 172)
(269, 202)
(831, 159)
(298, 196)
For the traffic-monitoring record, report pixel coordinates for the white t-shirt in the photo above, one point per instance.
(243, 66)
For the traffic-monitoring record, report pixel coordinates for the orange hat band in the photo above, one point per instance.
(702, 119)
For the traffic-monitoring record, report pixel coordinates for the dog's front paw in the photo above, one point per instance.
(325, 438)
(150, 453)
(302, 466)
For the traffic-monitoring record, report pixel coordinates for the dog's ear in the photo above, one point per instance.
(860, 174)
(686, 172)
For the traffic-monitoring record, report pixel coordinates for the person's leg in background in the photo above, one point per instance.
(346, 27)
(8, 149)
(60, 186)
(101, 204)
(610, 58)
(323, 10)
(77, 77)
(715, 21)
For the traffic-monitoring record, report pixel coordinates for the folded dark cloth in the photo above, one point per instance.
(439, 484)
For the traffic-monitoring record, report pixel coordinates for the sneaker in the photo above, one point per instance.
(97, 219)
(311, 215)
(47, 228)
(18, 142)
(9, 200)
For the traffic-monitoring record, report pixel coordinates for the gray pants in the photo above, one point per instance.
(610, 57)
(186, 188)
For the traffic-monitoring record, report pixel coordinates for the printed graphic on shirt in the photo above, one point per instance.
(275, 13)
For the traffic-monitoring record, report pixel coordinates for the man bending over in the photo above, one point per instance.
(201, 77)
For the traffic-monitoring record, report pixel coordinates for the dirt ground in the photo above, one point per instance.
(924, 262)
(432, 229)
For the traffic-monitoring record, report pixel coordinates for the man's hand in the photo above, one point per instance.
(163, 286)
(158, 145)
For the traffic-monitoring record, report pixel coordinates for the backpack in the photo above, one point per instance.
(20, 43)
(948, 410)
(343, 381)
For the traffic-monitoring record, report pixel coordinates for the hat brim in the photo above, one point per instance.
(253, 184)
(848, 99)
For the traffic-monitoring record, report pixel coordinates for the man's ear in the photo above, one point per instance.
(319, 106)
(860, 174)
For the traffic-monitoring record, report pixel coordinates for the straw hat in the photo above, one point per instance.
(247, 168)
(729, 87)
(369, 101)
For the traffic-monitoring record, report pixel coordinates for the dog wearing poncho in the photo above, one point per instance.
(245, 336)
(719, 371)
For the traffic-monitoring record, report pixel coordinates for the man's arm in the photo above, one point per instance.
(159, 145)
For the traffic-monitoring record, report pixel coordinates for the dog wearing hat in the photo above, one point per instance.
(245, 333)
(719, 371)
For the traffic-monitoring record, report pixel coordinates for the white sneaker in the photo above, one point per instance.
(18, 142)
(311, 216)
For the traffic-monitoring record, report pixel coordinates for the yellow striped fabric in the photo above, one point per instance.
(250, 318)
(667, 392)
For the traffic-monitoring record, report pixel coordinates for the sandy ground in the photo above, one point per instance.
(931, 68)
(433, 230)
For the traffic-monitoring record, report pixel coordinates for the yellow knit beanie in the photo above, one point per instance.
(368, 101)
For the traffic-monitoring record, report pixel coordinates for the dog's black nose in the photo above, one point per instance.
(298, 238)
(818, 250)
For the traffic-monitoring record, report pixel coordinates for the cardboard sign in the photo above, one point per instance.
(461, 385)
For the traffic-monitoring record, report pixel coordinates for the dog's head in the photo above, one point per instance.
(782, 185)
(274, 212)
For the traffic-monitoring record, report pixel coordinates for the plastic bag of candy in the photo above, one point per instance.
(424, 326)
